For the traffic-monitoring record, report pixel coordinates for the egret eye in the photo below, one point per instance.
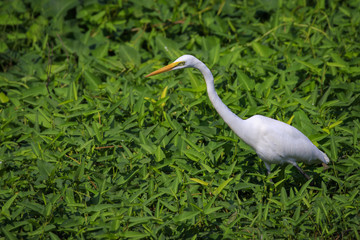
(181, 64)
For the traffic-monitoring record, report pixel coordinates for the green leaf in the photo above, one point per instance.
(129, 56)
(159, 154)
(45, 169)
(262, 50)
(309, 65)
(133, 234)
(3, 98)
(186, 215)
(92, 80)
(9, 20)
(168, 47)
(6, 206)
(222, 186)
(248, 82)
(212, 210)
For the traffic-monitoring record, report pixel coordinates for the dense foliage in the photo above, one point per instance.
(92, 149)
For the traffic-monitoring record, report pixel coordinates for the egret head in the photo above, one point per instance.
(184, 61)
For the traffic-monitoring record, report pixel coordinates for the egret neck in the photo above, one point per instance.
(229, 117)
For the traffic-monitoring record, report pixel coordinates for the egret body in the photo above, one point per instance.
(274, 142)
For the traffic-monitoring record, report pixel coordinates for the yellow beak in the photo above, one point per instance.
(164, 69)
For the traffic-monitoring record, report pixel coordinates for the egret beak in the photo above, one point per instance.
(164, 69)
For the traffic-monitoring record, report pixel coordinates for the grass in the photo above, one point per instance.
(91, 149)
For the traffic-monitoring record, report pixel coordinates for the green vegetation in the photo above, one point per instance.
(105, 153)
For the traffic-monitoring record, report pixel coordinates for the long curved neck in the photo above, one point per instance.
(229, 117)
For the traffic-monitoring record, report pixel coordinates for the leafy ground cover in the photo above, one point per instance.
(92, 149)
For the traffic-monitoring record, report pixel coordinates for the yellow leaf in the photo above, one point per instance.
(290, 120)
(199, 181)
(150, 99)
(327, 129)
(163, 95)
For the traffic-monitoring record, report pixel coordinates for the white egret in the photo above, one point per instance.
(275, 142)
